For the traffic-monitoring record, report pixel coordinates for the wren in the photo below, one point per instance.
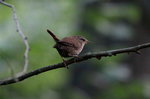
(69, 46)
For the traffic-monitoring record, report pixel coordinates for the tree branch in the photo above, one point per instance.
(24, 38)
(99, 55)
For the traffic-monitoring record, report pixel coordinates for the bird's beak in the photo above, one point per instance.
(88, 41)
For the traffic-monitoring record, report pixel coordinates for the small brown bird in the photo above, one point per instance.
(69, 46)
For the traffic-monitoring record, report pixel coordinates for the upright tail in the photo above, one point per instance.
(54, 36)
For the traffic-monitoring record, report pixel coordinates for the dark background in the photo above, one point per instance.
(108, 24)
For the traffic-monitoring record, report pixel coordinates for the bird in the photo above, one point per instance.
(68, 46)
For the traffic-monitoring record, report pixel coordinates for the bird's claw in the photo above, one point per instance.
(65, 64)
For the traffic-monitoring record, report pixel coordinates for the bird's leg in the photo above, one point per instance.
(64, 62)
(75, 58)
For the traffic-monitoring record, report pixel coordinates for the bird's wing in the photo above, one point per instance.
(70, 42)
(66, 44)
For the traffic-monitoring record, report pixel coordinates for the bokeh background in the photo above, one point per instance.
(108, 24)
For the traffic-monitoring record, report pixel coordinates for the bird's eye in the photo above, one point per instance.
(82, 39)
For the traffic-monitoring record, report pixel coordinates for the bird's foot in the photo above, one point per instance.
(64, 61)
(76, 58)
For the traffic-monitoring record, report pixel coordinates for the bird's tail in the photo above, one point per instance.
(54, 36)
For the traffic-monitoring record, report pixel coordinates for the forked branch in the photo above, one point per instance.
(19, 30)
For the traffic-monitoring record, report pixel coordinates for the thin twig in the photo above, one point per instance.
(134, 49)
(24, 38)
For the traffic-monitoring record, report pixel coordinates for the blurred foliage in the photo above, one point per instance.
(107, 24)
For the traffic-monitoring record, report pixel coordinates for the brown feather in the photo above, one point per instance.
(54, 36)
